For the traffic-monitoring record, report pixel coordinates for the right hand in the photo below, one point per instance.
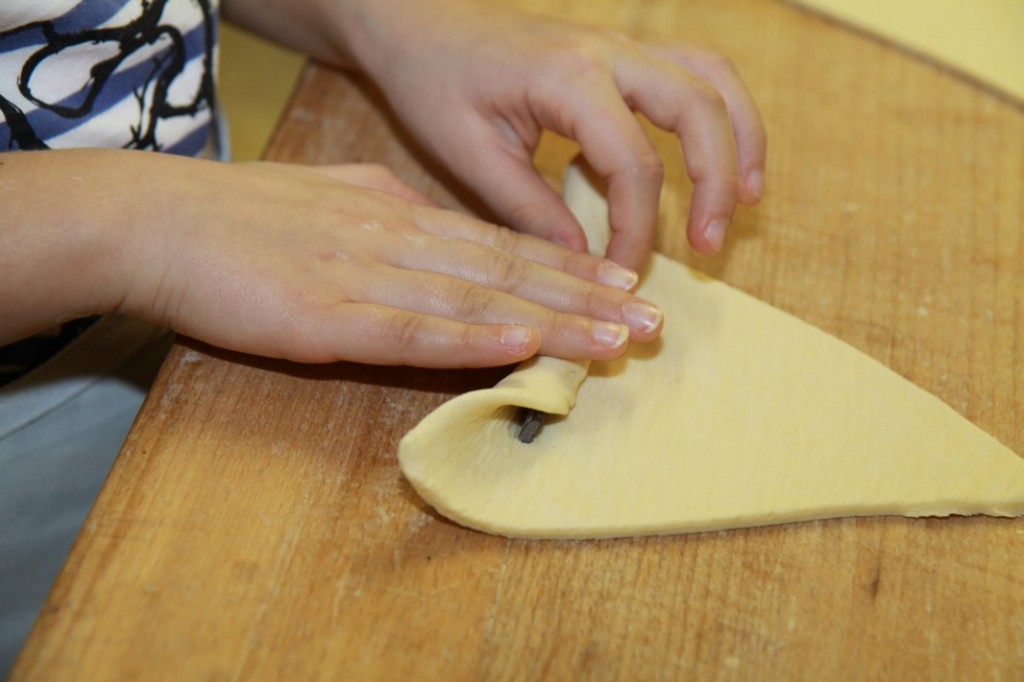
(477, 82)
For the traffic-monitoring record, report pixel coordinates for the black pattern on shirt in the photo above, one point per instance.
(20, 357)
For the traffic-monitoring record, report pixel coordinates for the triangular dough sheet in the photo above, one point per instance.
(742, 415)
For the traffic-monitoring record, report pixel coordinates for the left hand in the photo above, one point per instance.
(477, 84)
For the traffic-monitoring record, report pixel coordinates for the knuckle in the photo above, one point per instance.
(406, 333)
(556, 326)
(716, 62)
(574, 329)
(649, 166)
(474, 303)
(709, 96)
(507, 271)
(602, 303)
(464, 341)
(589, 50)
(506, 240)
(640, 242)
(579, 60)
(297, 336)
(596, 301)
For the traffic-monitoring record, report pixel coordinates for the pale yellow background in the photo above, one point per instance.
(981, 38)
(255, 81)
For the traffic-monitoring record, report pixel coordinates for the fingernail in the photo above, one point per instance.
(715, 233)
(614, 275)
(755, 183)
(609, 334)
(516, 340)
(642, 316)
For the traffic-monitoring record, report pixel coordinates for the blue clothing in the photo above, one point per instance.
(61, 427)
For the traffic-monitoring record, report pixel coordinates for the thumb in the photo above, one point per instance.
(503, 176)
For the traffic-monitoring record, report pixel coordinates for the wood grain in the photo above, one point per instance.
(256, 526)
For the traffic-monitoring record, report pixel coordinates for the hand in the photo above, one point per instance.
(478, 83)
(295, 262)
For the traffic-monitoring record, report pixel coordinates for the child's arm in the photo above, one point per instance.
(293, 262)
(477, 83)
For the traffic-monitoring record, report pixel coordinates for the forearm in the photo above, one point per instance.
(318, 28)
(61, 256)
(351, 34)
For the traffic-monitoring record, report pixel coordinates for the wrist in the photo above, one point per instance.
(62, 255)
(367, 33)
(383, 35)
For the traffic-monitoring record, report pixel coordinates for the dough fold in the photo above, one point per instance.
(740, 415)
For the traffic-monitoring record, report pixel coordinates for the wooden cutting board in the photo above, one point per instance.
(256, 526)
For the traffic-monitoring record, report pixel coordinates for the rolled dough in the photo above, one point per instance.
(740, 415)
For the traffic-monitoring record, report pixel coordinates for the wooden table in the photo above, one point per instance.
(256, 525)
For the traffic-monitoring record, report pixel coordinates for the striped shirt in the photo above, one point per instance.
(135, 74)
(130, 74)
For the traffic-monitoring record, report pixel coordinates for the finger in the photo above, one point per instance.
(383, 335)
(501, 170)
(594, 114)
(751, 138)
(674, 99)
(512, 288)
(447, 225)
(562, 334)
